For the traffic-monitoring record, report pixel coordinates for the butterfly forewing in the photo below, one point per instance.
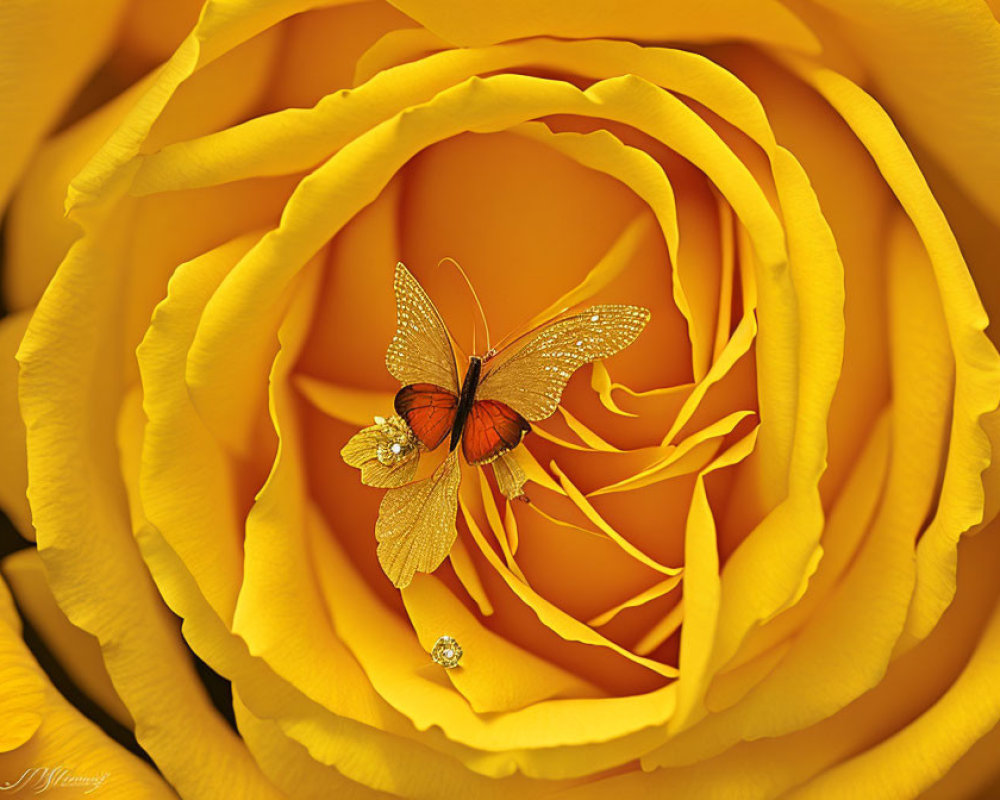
(429, 410)
(416, 523)
(420, 351)
(532, 377)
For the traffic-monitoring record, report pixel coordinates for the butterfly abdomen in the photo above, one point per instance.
(465, 400)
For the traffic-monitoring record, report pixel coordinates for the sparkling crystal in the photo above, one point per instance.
(395, 442)
(446, 652)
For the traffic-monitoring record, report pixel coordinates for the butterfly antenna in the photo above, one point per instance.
(479, 305)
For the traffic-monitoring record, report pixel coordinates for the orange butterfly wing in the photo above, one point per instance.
(492, 428)
(429, 410)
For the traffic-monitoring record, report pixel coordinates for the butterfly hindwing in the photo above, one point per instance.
(416, 523)
(429, 410)
(532, 377)
(490, 429)
(510, 476)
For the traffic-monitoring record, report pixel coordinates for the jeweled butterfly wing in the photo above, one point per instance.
(416, 523)
(420, 351)
(531, 374)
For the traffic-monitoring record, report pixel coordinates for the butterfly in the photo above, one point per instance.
(484, 417)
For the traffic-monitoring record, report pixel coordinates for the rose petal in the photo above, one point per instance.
(13, 461)
(38, 231)
(394, 48)
(216, 94)
(702, 592)
(847, 524)
(37, 88)
(566, 626)
(804, 352)
(973, 775)
(592, 514)
(354, 406)
(223, 25)
(290, 766)
(951, 112)
(921, 752)
(260, 146)
(602, 151)
(494, 674)
(770, 22)
(151, 31)
(323, 47)
(42, 731)
(771, 767)
(852, 635)
(977, 361)
(22, 699)
(679, 460)
(77, 652)
(655, 591)
(70, 394)
(184, 472)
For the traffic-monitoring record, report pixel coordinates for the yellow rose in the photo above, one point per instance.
(757, 558)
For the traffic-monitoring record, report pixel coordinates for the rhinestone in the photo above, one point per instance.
(396, 448)
(446, 652)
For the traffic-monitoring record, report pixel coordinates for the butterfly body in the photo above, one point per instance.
(469, 385)
(485, 428)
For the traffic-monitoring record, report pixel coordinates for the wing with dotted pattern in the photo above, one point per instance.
(532, 377)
